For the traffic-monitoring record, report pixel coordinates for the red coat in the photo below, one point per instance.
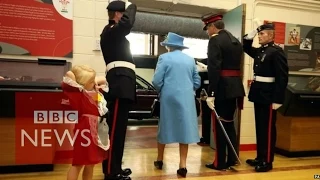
(87, 148)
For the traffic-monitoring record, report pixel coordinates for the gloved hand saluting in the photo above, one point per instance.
(201, 67)
(253, 33)
(127, 3)
(210, 102)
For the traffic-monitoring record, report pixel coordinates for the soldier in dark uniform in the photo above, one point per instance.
(121, 78)
(225, 89)
(205, 110)
(266, 92)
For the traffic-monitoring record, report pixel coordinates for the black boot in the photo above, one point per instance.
(232, 163)
(126, 172)
(253, 162)
(117, 177)
(211, 166)
(264, 167)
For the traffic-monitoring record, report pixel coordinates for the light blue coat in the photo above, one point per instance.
(176, 78)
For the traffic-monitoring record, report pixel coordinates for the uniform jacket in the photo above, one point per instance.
(224, 53)
(176, 78)
(115, 47)
(269, 61)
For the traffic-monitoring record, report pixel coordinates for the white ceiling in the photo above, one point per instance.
(174, 9)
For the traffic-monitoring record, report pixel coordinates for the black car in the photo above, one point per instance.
(146, 94)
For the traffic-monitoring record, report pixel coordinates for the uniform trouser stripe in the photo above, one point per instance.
(114, 122)
(269, 134)
(213, 117)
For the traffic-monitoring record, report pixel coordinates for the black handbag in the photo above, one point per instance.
(155, 107)
(197, 107)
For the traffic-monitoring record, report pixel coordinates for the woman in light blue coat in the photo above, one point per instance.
(176, 78)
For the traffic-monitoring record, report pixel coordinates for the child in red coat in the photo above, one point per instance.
(92, 142)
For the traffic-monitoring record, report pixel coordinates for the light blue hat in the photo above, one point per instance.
(173, 40)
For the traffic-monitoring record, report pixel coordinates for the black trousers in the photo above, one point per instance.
(225, 109)
(206, 121)
(118, 122)
(265, 119)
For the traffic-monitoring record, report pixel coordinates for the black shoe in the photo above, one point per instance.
(158, 164)
(117, 177)
(211, 166)
(182, 172)
(126, 172)
(253, 162)
(264, 167)
(233, 163)
(203, 142)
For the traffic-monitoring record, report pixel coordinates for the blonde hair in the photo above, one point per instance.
(83, 74)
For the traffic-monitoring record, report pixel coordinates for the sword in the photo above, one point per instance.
(214, 113)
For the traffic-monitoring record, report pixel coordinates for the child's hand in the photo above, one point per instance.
(103, 87)
(101, 81)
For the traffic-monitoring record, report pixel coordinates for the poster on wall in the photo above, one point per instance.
(36, 27)
(301, 44)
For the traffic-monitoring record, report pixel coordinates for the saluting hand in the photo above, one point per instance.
(127, 3)
(276, 106)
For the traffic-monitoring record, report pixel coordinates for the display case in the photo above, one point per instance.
(298, 120)
(25, 76)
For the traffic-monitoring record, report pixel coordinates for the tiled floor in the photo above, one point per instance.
(141, 151)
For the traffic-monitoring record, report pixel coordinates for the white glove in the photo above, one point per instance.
(251, 35)
(276, 106)
(210, 102)
(257, 22)
(201, 67)
(128, 4)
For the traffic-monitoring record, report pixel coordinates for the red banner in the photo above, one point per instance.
(36, 27)
(44, 128)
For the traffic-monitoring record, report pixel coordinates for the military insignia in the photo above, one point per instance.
(259, 28)
(264, 56)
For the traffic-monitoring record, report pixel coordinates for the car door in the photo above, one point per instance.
(146, 94)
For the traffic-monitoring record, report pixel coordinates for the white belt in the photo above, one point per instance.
(125, 64)
(264, 79)
(206, 82)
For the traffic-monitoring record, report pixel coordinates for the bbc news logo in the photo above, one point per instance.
(55, 117)
(62, 132)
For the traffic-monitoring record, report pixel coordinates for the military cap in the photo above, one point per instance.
(117, 6)
(211, 19)
(268, 26)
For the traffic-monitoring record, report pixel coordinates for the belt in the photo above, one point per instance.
(125, 64)
(227, 73)
(264, 79)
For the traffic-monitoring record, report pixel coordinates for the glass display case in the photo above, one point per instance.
(298, 119)
(30, 74)
(302, 96)
(44, 75)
